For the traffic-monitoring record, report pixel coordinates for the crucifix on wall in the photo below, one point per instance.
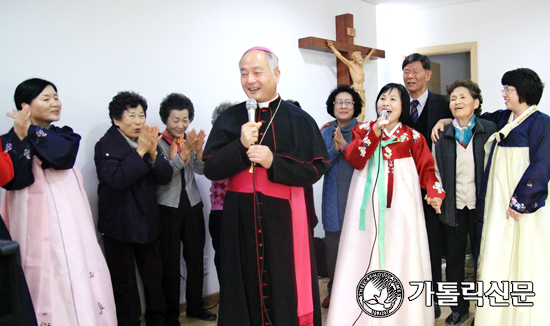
(345, 48)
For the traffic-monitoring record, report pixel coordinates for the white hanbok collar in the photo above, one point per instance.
(390, 133)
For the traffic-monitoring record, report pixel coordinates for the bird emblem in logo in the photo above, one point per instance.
(380, 294)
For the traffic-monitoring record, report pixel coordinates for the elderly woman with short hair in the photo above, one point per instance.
(459, 156)
(180, 208)
(129, 166)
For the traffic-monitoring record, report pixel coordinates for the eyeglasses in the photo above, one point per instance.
(346, 103)
(507, 89)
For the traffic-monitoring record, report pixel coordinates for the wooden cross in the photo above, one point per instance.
(344, 43)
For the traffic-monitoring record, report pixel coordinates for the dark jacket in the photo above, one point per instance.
(55, 147)
(445, 155)
(436, 109)
(128, 210)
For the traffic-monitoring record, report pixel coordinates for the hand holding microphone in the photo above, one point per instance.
(249, 136)
(384, 115)
(381, 122)
(250, 130)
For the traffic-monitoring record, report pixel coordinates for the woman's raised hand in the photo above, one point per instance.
(188, 145)
(201, 139)
(380, 123)
(148, 140)
(155, 138)
(339, 141)
(22, 121)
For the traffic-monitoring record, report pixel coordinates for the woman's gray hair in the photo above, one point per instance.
(220, 108)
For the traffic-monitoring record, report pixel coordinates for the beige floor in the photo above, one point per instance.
(445, 311)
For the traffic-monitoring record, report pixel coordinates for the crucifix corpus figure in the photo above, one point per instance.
(356, 71)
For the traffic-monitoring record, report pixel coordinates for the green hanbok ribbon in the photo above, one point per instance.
(372, 168)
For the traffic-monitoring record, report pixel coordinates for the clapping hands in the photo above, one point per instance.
(188, 145)
(339, 141)
(201, 138)
(148, 140)
(195, 142)
(22, 121)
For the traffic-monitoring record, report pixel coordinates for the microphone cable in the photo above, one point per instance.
(380, 163)
(258, 225)
(260, 254)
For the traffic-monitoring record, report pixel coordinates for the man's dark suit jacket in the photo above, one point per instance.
(436, 108)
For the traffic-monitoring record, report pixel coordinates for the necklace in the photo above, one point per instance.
(270, 121)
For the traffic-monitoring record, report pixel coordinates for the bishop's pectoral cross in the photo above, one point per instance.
(345, 49)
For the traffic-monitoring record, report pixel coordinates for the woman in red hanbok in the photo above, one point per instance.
(384, 226)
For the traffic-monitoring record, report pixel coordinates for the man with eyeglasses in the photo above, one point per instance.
(426, 110)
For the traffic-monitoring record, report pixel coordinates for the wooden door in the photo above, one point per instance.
(434, 84)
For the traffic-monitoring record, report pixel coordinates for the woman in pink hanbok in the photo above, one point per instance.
(46, 210)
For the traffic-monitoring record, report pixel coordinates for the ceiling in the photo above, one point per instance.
(391, 5)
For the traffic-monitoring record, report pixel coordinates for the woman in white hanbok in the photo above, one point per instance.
(515, 241)
(384, 227)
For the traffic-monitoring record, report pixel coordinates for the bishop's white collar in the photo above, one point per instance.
(266, 104)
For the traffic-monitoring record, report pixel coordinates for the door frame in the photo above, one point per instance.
(454, 48)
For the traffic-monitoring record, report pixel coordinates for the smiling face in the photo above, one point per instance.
(343, 111)
(45, 108)
(391, 102)
(462, 105)
(511, 98)
(132, 122)
(177, 122)
(256, 78)
(415, 78)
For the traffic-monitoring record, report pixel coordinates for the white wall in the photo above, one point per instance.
(93, 49)
(510, 34)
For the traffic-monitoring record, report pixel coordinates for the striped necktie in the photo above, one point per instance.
(414, 111)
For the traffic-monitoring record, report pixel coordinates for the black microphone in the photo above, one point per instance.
(251, 106)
